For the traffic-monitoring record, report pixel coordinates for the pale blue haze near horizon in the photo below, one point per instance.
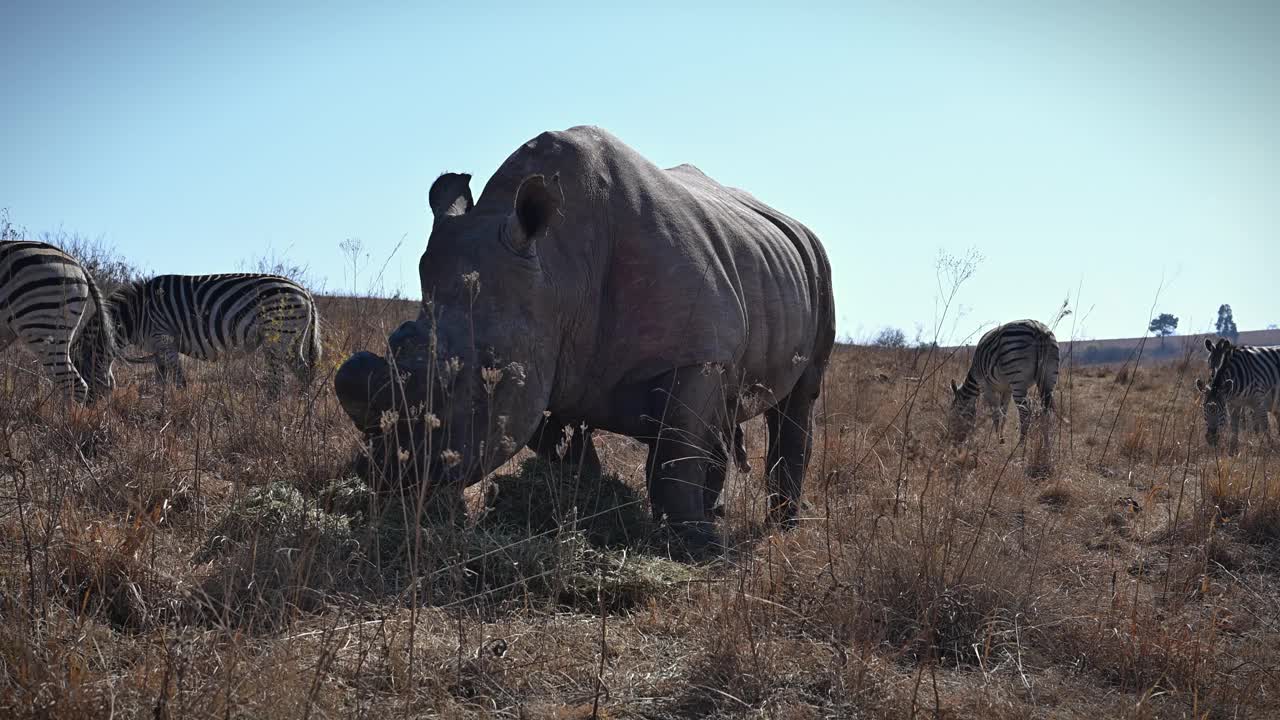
(1116, 149)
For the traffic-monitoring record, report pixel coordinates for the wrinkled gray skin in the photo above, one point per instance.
(611, 295)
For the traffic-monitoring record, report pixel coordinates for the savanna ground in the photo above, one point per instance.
(205, 553)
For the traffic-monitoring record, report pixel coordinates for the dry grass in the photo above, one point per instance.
(203, 553)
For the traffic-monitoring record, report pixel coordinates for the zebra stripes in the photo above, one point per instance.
(45, 296)
(207, 316)
(1008, 360)
(1240, 377)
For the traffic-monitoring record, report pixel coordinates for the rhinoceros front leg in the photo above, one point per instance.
(548, 442)
(688, 452)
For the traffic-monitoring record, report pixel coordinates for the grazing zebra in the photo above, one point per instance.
(1008, 360)
(44, 298)
(1240, 377)
(206, 316)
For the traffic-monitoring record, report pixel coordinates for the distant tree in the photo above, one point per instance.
(890, 338)
(1226, 325)
(1273, 326)
(1163, 325)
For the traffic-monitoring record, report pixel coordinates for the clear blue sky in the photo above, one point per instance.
(1096, 145)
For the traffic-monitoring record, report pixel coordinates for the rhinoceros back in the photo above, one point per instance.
(677, 270)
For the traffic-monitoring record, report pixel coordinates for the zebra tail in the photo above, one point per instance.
(313, 348)
(106, 331)
(1047, 370)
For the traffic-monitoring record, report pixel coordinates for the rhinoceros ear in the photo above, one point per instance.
(450, 194)
(537, 206)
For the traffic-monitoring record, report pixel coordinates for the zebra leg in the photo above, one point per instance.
(275, 372)
(1261, 423)
(1024, 413)
(168, 364)
(304, 370)
(1237, 413)
(1046, 400)
(999, 404)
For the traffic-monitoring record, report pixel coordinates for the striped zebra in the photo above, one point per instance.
(1008, 360)
(45, 296)
(207, 316)
(1240, 377)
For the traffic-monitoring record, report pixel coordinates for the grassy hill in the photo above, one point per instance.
(206, 553)
(1092, 352)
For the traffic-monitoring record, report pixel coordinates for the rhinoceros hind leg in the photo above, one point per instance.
(790, 443)
(718, 470)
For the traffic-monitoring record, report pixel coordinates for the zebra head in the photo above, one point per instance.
(1213, 396)
(1219, 355)
(964, 412)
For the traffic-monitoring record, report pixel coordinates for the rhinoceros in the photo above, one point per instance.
(590, 289)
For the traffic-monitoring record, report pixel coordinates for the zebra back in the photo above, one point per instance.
(209, 314)
(1023, 352)
(1237, 371)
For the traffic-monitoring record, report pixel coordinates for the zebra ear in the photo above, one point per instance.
(1208, 344)
(1227, 385)
(954, 388)
(1199, 385)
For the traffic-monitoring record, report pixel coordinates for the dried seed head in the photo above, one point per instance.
(403, 455)
(472, 282)
(491, 378)
(451, 457)
(516, 372)
(451, 368)
(433, 422)
(388, 420)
